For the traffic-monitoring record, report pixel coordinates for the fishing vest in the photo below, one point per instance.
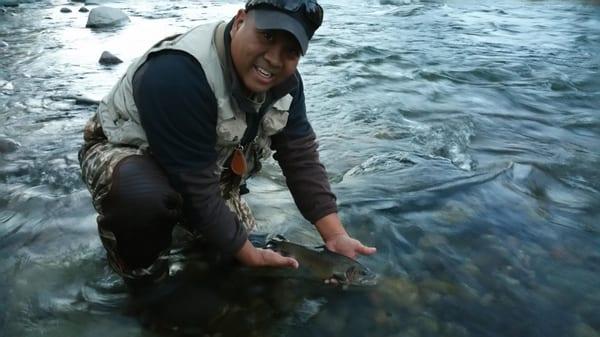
(120, 119)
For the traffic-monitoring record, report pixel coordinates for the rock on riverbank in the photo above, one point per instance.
(105, 17)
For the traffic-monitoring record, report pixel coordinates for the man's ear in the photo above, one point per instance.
(240, 17)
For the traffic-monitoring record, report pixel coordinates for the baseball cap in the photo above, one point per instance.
(299, 17)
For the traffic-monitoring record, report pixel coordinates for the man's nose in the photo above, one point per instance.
(274, 54)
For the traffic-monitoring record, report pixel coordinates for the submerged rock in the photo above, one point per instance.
(83, 10)
(9, 3)
(8, 145)
(65, 10)
(105, 17)
(82, 100)
(107, 58)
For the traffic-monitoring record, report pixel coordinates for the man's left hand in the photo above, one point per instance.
(345, 245)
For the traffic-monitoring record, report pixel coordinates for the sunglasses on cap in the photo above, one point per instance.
(310, 9)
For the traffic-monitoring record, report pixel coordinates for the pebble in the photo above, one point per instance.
(107, 58)
(65, 10)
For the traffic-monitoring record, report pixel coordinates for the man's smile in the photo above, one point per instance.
(263, 72)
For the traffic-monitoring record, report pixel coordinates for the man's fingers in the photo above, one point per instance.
(278, 260)
(364, 250)
(292, 263)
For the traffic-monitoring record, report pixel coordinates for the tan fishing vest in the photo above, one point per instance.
(121, 121)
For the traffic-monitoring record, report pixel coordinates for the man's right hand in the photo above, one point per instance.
(251, 256)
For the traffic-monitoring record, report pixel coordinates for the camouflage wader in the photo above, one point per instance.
(98, 159)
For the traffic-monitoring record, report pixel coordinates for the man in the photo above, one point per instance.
(177, 137)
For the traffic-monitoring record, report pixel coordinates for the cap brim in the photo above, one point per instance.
(272, 19)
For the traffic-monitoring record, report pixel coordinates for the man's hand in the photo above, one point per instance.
(337, 239)
(345, 245)
(251, 256)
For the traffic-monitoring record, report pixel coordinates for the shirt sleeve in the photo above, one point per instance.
(178, 112)
(297, 154)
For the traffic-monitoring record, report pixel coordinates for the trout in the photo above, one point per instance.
(323, 264)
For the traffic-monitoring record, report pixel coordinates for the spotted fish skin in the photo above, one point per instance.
(323, 264)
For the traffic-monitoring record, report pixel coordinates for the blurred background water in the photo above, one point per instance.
(461, 138)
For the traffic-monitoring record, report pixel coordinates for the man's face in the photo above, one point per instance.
(262, 58)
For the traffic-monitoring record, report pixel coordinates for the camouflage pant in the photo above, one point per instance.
(98, 159)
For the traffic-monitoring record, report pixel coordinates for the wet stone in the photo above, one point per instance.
(83, 10)
(402, 291)
(8, 145)
(432, 240)
(108, 58)
(106, 17)
(65, 10)
(82, 100)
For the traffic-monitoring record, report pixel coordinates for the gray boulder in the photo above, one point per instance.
(105, 17)
(107, 58)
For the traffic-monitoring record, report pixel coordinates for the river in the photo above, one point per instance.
(461, 137)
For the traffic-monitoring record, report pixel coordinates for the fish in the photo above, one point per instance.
(322, 264)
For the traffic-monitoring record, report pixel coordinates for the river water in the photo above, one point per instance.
(461, 138)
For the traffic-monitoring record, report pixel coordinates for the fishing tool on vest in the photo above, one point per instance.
(238, 163)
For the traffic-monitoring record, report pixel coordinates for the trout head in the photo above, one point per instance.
(357, 275)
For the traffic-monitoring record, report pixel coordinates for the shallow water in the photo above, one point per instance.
(460, 137)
